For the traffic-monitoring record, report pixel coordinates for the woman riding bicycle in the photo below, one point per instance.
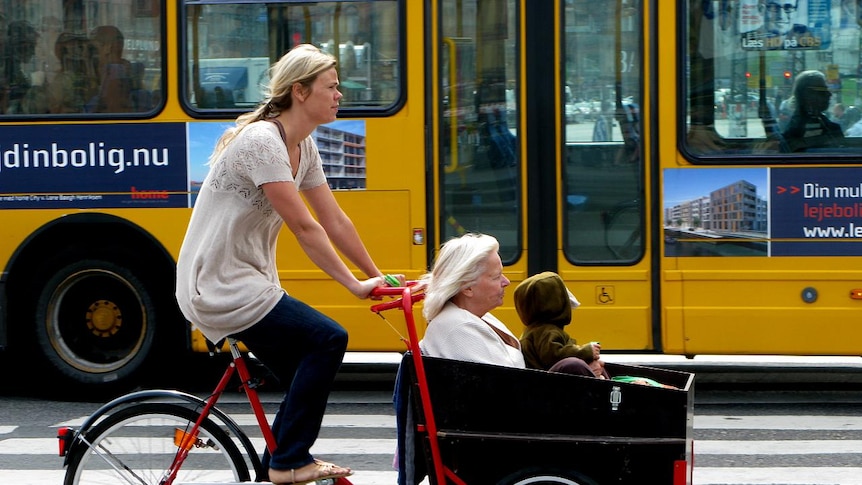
(227, 280)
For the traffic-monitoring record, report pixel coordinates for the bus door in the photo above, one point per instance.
(537, 114)
(603, 190)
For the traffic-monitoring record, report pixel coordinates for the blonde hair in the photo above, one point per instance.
(459, 264)
(301, 65)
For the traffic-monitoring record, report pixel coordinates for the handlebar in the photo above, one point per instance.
(405, 293)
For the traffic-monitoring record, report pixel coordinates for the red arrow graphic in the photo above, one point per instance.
(793, 189)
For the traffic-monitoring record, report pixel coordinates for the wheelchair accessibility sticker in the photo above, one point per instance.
(605, 295)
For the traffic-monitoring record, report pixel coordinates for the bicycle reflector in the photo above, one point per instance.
(64, 436)
(184, 440)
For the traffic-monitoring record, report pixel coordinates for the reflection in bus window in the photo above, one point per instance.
(119, 86)
(809, 126)
(603, 202)
(231, 46)
(72, 84)
(21, 95)
(67, 61)
(743, 59)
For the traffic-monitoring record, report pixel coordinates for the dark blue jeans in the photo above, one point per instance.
(303, 349)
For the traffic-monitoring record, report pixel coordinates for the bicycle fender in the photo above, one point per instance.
(160, 394)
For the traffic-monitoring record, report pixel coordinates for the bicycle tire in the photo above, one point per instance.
(545, 476)
(136, 445)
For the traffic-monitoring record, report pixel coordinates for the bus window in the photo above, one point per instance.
(70, 58)
(230, 47)
(603, 204)
(745, 58)
(479, 160)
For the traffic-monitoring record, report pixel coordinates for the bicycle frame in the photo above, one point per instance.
(70, 438)
(188, 438)
(406, 299)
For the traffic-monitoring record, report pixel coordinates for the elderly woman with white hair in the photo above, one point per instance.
(464, 285)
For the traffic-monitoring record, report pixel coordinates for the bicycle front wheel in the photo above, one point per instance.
(137, 444)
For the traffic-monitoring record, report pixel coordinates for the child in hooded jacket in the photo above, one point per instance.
(545, 306)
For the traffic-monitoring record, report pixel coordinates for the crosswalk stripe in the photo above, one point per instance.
(383, 421)
(28, 446)
(323, 446)
(784, 476)
(334, 446)
(702, 476)
(372, 446)
(776, 447)
(53, 477)
(359, 421)
(796, 422)
(32, 477)
(329, 421)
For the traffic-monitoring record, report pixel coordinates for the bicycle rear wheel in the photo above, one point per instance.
(137, 444)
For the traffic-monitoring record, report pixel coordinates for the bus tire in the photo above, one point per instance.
(94, 324)
(545, 476)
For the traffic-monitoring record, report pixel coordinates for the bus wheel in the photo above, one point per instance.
(94, 323)
(545, 476)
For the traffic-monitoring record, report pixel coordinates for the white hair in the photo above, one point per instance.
(459, 264)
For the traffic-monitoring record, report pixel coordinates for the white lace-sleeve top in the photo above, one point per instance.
(226, 274)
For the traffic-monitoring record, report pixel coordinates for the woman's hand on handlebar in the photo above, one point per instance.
(366, 287)
(396, 290)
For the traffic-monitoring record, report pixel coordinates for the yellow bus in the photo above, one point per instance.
(638, 147)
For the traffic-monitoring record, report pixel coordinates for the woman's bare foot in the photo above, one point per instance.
(316, 470)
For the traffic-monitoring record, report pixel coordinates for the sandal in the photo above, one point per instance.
(318, 470)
